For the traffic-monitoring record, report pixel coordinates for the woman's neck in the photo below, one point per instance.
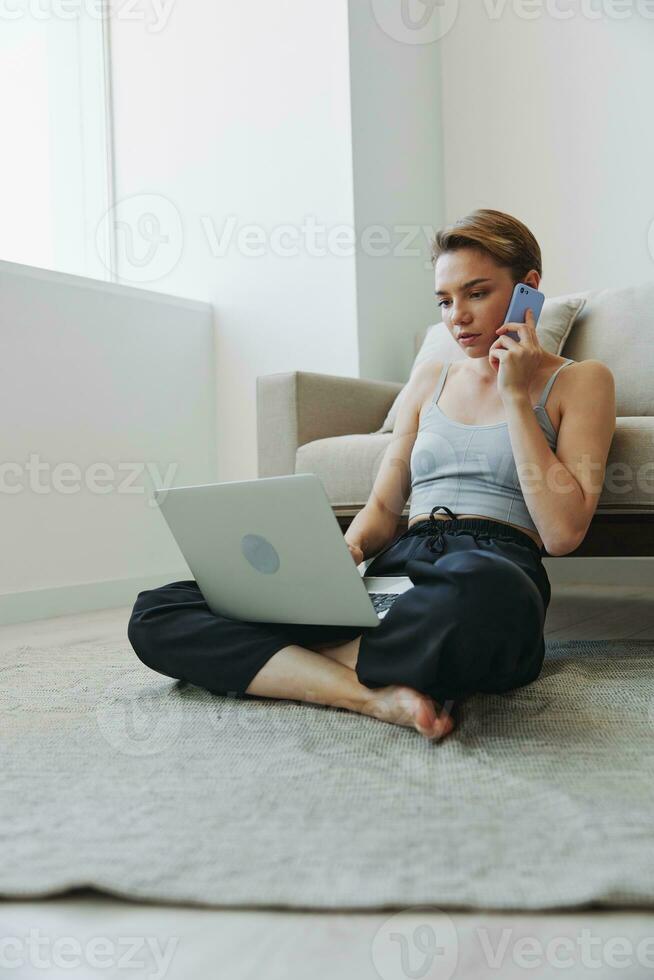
(485, 374)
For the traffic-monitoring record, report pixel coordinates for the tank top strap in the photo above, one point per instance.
(552, 379)
(440, 382)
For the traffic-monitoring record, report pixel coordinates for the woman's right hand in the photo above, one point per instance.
(356, 552)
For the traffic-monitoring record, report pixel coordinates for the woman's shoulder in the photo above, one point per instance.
(422, 383)
(589, 366)
(580, 384)
(585, 379)
(583, 371)
(427, 373)
(433, 370)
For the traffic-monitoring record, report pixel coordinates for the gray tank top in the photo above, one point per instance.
(471, 468)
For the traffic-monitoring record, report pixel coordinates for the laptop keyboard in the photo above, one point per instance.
(382, 601)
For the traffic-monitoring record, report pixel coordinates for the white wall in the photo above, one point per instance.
(110, 391)
(242, 110)
(549, 120)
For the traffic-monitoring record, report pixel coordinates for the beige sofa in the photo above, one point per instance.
(328, 425)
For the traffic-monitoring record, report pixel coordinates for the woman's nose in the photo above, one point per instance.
(459, 313)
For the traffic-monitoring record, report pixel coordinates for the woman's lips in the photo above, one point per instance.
(468, 340)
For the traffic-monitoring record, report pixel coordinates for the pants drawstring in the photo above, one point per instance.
(437, 545)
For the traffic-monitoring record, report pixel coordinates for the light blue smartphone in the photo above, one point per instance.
(524, 298)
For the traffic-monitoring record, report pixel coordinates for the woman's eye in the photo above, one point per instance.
(473, 296)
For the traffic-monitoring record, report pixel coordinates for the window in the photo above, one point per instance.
(55, 170)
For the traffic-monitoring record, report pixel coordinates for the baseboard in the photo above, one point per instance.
(631, 572)
(23, 607)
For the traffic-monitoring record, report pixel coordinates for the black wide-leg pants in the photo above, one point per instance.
(473, 622)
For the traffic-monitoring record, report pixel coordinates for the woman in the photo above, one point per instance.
(474, 439)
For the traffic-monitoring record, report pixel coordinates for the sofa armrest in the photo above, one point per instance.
(300, 406)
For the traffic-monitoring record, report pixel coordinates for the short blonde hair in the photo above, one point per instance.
(500, 235)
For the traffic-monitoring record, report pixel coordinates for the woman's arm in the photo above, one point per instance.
(376, 523)
(562, 489)
(370, 531)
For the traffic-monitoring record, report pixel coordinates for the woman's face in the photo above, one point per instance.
(473, 294)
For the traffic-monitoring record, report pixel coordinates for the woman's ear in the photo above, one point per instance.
(532, 279)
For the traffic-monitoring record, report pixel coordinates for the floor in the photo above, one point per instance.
(85, 935)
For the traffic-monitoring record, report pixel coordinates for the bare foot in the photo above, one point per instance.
(401, 705)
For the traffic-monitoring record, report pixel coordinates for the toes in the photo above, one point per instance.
(442, 726)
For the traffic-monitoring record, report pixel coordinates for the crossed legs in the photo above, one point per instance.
(328, 676)
(472, 622)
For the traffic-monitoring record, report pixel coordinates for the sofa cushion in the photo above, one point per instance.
(554, 326)
(348, 466)
(615, 327)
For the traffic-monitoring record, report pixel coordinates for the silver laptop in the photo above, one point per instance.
(271, 550)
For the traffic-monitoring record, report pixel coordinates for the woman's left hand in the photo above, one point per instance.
(516, 362)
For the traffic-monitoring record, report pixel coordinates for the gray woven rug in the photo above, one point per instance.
(121, 779)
